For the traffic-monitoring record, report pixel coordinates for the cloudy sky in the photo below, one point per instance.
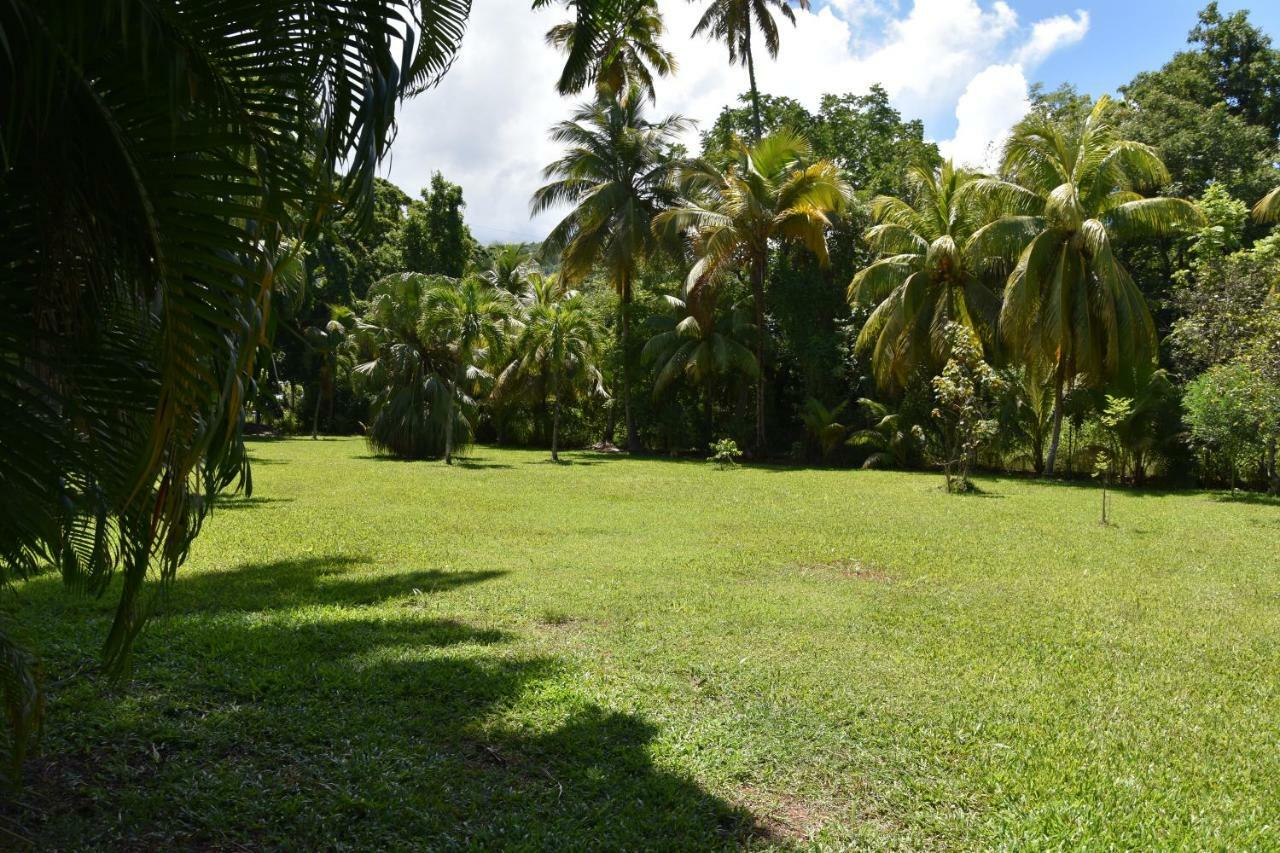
(962, 66)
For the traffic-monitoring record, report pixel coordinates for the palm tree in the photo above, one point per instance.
(625, 56)
(560, 340)
(618, 173)
(733, 22)
(1070, 302)
(935, 251)
(695, 342)
(462, 315)
(407, 373)
(149, 178)
(768, 193)
(326, 341)
(508, 268)
(823, 425)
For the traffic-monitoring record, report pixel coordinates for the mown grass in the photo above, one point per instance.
(621, 653)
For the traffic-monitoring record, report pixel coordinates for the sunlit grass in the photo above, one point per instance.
(644, 653)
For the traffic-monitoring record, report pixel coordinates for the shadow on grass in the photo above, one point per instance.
(226, 503)
(326, 580)
(1254, 498)
(257, 721)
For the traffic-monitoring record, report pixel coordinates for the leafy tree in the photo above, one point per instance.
(1070, 302)
(625, 56)
(617, 172)
(1211, 111)
(772, 191)
(697, 343)
(435, 239)
(157, 155)
(734, 22)
(462, 316)
(1233, 410)
(966, 392)
(560, 341)
(1026, 408)
(326, 341)
(934, 250)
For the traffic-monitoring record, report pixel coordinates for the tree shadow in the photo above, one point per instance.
(231, 503)
(257, 718)
(1252, 498)
(314, 581)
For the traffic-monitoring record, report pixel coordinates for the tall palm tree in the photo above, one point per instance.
(156, 153)
(769, 193)
(695, 342)
(1069, 302)
(618, 172)
(733, 22)
(561, 341)
(326, 341)
(626, 53)
(463, 316)
(935, 257)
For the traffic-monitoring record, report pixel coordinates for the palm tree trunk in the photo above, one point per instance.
(757, 295)
(633, 441)
(756, 123)
(1060, 381)
(448, 424)
(555, 418)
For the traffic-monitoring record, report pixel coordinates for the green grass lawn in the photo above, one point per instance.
(654, 654)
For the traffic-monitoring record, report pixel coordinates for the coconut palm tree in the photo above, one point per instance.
(936, 255)
(561, 342)
(618, 172)
(462, 316)
(1069, 302)
(769, 193)
(734, 22)
(156, 155)
(625, 57)
(508, 268)
(695, 342)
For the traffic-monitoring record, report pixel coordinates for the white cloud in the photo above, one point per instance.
(992, 102)
(1053, 34)
(943, 61)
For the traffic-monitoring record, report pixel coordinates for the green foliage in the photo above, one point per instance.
(161, 160)
(724, 453)
(1233, 411)
(823, 426)
(966, 392)
(773, 191)
(624, 53)
(434, 238)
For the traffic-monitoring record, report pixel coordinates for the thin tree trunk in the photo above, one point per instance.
(633, 440)
(757, 124)
(757, 295)
(555, 418)
(1273, 476)
(1058, 397)
(448, 424)
(707, 415)
(315, 418)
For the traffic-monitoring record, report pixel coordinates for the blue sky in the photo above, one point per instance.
(961, 66)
